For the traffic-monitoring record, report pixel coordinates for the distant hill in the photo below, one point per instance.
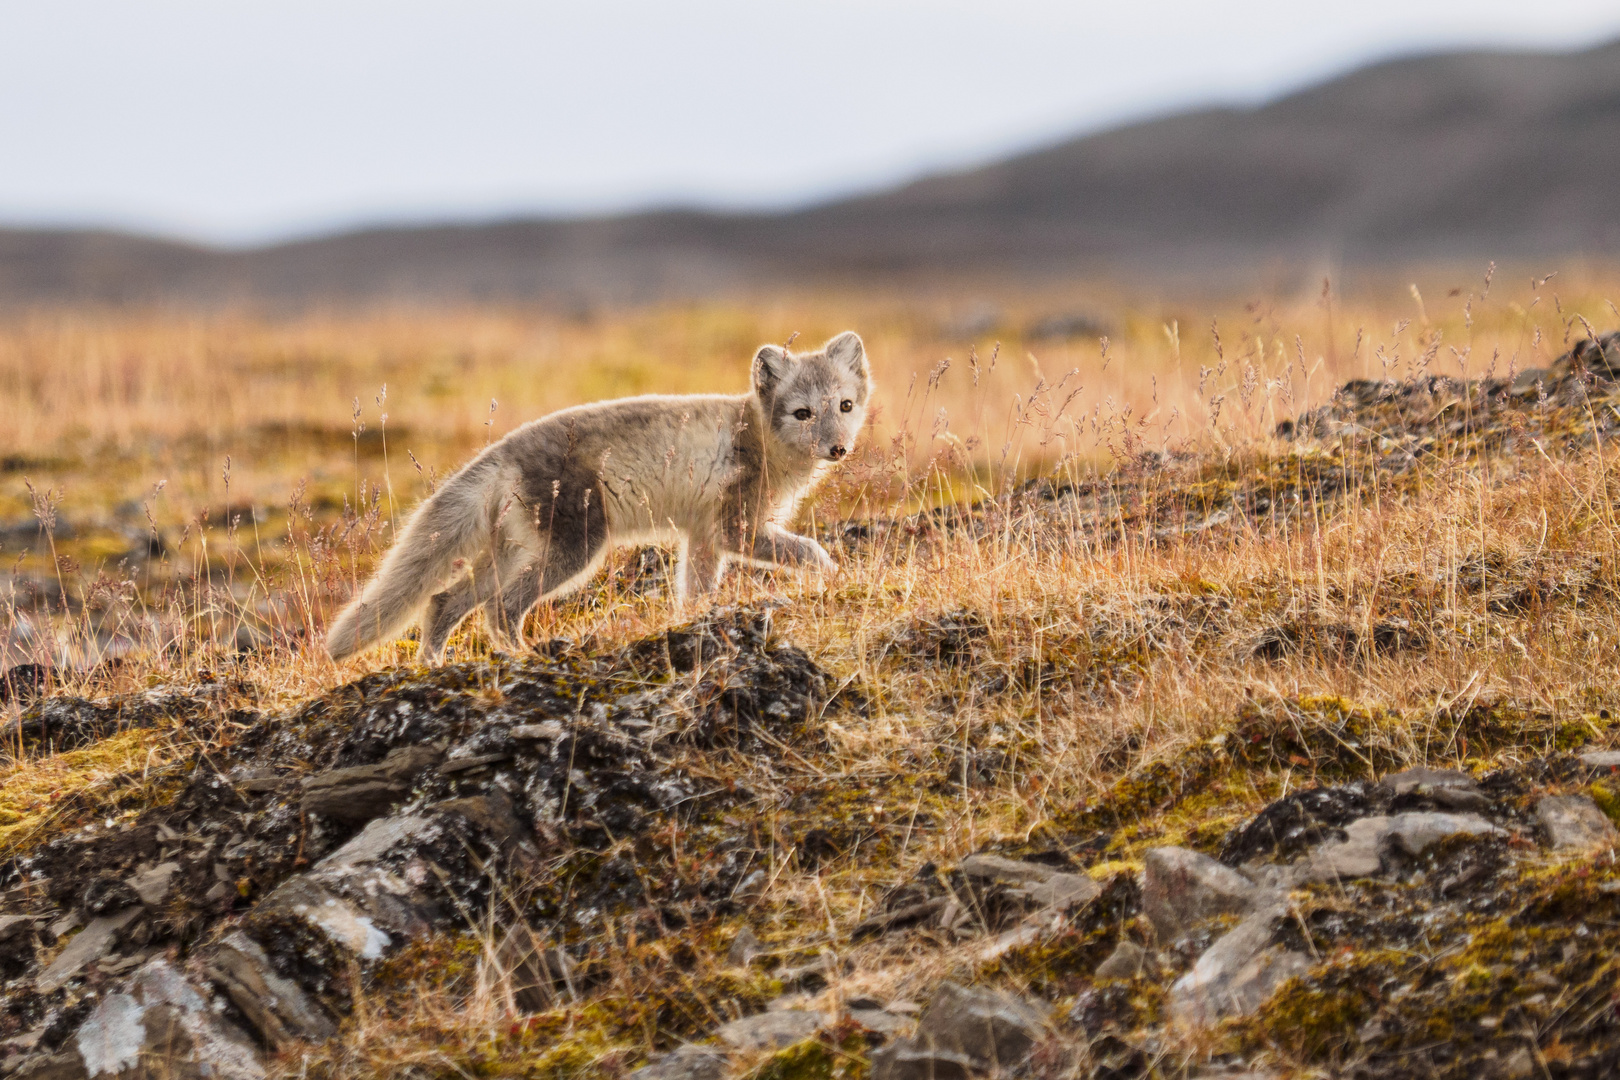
(1486, 154)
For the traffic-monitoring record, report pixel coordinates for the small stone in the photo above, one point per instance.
(1128, 961)
(903, 1059)
(218, 891)
(1574, 823)
(989, 1027)
(770, 1030)
(1038, 885)
(1416, 780)
(1237, 974)
(744, 947)
(91, 944)
(1182, 888)
(546, 729)
(1519, 1065)
(997, 868)
(685, 1063)
(152, 885)
(1601, 759)
(1060, 891)
(881, 1022)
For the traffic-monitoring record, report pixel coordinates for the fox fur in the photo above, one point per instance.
(534, 515)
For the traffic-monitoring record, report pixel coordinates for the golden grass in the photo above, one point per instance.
(1158, 632)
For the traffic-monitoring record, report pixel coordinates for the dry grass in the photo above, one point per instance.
(1154, 633)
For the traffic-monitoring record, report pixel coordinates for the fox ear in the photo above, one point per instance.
(770, 367)
(846, 349)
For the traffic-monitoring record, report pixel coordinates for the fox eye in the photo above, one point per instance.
(846, 405)
(802, 414)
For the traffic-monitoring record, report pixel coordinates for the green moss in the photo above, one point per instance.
(817, 1059)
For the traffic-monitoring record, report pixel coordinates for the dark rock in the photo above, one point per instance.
(535, 973)
(1182, 888)
(909, 915)
(1297, 821)
(24, 682)
(903, 1059)
(990, 1028)
(277, 1008)
(1034, 884)
(106, 894)
(363, 792)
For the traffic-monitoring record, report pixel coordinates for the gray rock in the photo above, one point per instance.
(366, 791)
(685, 1063)
(160, 1025)
(1237, 974)
(991, 1028)
(1061, 891)
(744, 947)
(1358, 855)
(152, 884)
(1361, 853)
(1575, 823)
(1128, 961)
(92, 943)
(1418, 831)
(882, 1022)
(1037, 885)
(770, 1030)
(903, 1059)
(1601, 759)
(1427, 780)
(1011, 871)
(12, 925)
(1182, 888)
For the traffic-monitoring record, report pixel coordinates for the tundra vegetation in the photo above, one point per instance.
(1206, 688)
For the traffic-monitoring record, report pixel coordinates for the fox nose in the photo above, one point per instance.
(835, 451)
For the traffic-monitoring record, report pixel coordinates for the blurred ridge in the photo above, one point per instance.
(1486, 154)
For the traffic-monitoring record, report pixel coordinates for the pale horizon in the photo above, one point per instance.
(257, 125)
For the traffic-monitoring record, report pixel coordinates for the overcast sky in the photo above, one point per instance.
(237, 122)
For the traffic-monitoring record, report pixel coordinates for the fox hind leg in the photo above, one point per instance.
(446, 609)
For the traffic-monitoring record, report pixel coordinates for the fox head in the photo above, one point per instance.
(814, 403)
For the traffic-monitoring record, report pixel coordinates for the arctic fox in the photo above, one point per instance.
(533, 516)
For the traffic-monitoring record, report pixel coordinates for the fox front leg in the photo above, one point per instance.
(776, 545)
